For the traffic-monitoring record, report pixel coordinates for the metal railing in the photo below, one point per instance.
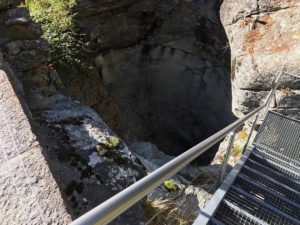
(113, 207)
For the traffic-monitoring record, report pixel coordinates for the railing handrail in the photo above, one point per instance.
(110, 209)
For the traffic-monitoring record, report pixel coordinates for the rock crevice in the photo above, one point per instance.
(166, 66)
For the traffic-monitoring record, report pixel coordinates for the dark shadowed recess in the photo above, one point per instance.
(166, 65)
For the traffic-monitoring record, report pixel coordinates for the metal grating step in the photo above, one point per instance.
(272, 198)
(280, 135)
(279, 158)
(258, 209)
(279, 166)
(264, 187)
(273, 174)
(230, 214)
(271, 184)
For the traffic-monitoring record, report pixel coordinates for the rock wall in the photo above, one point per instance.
(59, 138)
(264, 37)
(166, 66)
(28, 191)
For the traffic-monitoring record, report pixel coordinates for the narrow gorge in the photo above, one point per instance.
(165, 66)
(155, 78)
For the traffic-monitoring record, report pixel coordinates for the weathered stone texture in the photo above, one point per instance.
(264, 38)
(28, 191)
(15, 24)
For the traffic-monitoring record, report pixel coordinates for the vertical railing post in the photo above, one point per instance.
(251, 131)
(227, 154)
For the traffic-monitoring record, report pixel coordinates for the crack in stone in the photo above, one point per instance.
(257, 12)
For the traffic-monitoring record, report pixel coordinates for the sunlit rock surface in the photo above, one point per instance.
(264, 38)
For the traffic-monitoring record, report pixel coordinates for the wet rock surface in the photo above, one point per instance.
(78, 145)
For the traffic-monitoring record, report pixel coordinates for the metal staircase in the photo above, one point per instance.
(264, 188)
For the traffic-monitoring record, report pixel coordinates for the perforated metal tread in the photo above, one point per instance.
(246, 209)
(279, 135)
(277, 165)
(266, 189)
(274, 199)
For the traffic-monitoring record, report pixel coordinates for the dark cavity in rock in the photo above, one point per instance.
(164, 65)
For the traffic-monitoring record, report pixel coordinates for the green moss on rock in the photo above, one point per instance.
(111, 143)
(170, 185)
(109, 148)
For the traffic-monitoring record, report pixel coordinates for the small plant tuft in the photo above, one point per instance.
(170, 185)
(110, 143)
(67, 43)
(285, 90)
(109, 148)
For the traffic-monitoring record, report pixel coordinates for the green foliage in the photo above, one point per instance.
(170, 185)
(67, 43)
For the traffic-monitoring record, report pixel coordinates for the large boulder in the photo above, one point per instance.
(89, 162)
(264, 38)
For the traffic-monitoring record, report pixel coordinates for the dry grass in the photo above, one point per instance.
(219, 158)
(285, 90)
(239, 143)
(164, 212)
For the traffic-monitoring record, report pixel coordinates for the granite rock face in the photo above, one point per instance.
(28, 189)
(71, 156)
(165, 65)
(264, 37)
